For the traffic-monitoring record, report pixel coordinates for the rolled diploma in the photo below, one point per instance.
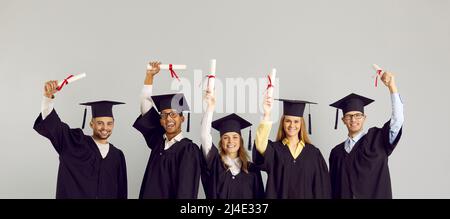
(165, 67)
(376, 67)
(272, 78)
(73, 79)
(212, 72)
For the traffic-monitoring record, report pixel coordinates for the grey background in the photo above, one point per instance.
(323, 50)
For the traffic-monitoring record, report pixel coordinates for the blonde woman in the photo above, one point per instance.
(296, 169)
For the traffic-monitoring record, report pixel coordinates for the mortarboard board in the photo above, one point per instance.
(296, 108)
(99, 109)
(233, 123)
(175, 101)
(352, 102)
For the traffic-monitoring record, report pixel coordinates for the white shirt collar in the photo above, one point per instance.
(234, 165)
(168, 144)
(103, 148)
(350, 142)
(357, 136)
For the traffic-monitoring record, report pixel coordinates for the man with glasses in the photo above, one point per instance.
(173, 169)
(359, 165)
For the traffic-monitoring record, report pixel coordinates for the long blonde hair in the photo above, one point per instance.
(302, 134)
(242, 154)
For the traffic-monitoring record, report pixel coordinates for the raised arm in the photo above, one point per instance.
(146, 101)
(205, 136)
(49, 125)
(47, 103)
(263, 131)
(148, 122)
(397, 117)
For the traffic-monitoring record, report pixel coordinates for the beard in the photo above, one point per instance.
(102, 136)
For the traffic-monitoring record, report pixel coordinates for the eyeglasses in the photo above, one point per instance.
(172, 115)
(357, 116)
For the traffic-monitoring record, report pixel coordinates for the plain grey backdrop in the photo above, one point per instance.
(323, 50)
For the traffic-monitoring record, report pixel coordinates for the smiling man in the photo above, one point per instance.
(359, 165)
(89, 166)
(173, 169)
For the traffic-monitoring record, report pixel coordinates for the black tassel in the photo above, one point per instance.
(309, 124)
(309, 119)
(336, 122)
(250, 139)
(188, 122)
(84, 118)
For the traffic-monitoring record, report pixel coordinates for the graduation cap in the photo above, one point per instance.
(233, 123)
(175, 101)
(297, 108)
(352, 102)
(101, 108)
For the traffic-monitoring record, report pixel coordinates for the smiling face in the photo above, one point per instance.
(102, 127)
(231, 142)
(292, 125)
(354, 120)
(171, 121)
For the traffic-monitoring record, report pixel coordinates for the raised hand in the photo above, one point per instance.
(210, 100)
(50, 88)
(388, 79)
(152, 72)
(267, 106)
(155, 68)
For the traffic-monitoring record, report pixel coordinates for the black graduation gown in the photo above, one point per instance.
(219, 183)
(305, 177)
(173, 173)
(364, 172)
(83, 173)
